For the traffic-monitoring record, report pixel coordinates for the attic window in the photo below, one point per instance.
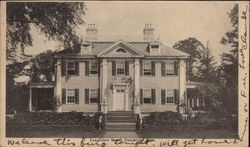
(154, 49)
(122, 51)
(86, 48)
(155, 46)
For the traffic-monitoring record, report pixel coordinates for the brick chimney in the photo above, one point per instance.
(91, 32)
(148, 32)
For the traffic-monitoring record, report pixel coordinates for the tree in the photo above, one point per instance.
(207, 68)
(196, 50)
(229, 66)
(43, 67)
(56, 20)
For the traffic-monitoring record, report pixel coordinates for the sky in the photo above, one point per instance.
(172, 21)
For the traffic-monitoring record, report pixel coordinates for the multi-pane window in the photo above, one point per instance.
(147, 96)
(93, 95)
(169, 68)
(120, 67)
(71, 96)
(147, 68)
(71, 68)
(170, 96)
(93, 68)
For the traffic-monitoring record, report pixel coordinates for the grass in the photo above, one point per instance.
(52, 131)
(187, 132)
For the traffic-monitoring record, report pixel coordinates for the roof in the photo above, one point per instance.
(141, 46)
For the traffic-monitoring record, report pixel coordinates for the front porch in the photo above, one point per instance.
(41, 96)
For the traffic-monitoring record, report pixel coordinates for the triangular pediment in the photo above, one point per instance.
(120, 49)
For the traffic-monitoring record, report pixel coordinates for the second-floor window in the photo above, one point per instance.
(169, 66)
(147, 68)
(120, 67)
(93, 68)
(71, 68)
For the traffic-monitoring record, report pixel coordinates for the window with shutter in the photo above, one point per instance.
(147, 96)
(169, 68)
(70, 96)
(147, 68)
(93, 67)
(93, 96)
(170, 96)
(72, 68)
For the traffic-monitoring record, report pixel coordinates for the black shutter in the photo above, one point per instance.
(99, 99)
(98, 67)
(141, 67)
(63, 67)
(153, 96)
(113, 68)
(77, 96)
(153, 68)
(176, 96)
(86, 96)
(176, 66)
(141, 96)
(87, 68)
(77, 68)
(163, 96)
(163, 65)
(63, 96)
(127, 68)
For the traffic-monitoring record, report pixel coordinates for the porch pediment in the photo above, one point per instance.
(120, 49)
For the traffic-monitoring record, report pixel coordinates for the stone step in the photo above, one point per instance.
(130, 118)
(120, 120)
(120, 113)
(120, 128)
(120, 124)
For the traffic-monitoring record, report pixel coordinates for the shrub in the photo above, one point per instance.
(162, 119)
(67, 118)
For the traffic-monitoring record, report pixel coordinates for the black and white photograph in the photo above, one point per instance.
(125, 69)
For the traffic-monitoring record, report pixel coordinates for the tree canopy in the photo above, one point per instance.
(197, 51)
(56, 20)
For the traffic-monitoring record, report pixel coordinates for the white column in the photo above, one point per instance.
(137, 76)
(198, 102)
(182, 80)
(126, 98)
(59, 83)
(114, 95)
(30, 100)
(103, 85)
(137, 86)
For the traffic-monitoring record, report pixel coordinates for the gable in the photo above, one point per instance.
(120, 49)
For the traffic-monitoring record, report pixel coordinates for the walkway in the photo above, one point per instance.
(120, 135)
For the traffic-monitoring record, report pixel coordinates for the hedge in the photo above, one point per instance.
(64, 118)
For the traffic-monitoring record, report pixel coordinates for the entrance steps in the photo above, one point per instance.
(120, 121)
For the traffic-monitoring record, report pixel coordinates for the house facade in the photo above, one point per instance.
(142, 76)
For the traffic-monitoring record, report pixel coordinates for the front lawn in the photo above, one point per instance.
(189, 131)
(52, 131)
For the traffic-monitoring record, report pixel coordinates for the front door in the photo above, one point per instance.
(119, 100)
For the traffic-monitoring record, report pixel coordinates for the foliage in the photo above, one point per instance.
(73, 118)
(162, 119)
(207, 68)
(56, 20)
(229, 68)
(196, 50)
(43, 67)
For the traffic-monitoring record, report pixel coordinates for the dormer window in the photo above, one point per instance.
(155, 49)
(86, 48)
(120, 51)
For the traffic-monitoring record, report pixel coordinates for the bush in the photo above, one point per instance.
(162, 119)
(67, 118)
